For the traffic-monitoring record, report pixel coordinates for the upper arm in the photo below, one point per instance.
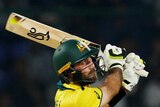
(108, 94)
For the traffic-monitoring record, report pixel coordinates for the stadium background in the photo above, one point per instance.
(27, 77)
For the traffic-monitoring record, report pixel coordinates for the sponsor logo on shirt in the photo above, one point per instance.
(98, 96)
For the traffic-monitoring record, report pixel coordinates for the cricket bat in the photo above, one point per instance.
(40, 32)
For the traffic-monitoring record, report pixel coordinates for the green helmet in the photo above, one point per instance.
(71, 52)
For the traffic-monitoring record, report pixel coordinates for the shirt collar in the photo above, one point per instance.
(70, 86)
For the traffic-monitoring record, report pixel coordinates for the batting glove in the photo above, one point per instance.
(133, 69)
(112, 57)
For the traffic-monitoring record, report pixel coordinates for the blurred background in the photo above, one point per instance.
(27, 77)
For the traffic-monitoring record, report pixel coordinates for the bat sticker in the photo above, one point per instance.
(15, 20)
(39, 36)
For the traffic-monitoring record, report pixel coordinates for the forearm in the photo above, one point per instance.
(113, 60)
(122, 93)
(114, 81)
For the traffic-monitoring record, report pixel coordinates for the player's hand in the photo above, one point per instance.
(113, 57)
(133, 69)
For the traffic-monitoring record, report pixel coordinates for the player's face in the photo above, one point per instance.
(87, 69)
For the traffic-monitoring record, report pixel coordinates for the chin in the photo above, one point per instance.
(93, 78)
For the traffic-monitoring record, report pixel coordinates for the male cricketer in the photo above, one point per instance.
(78, 64)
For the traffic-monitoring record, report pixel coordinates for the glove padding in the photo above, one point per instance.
(112, 57)
(133, 69)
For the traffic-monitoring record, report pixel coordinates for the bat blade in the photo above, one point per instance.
(39, 32)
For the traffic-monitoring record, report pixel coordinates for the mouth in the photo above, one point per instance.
(92, 75)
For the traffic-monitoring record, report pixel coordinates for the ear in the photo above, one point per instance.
(76, 75)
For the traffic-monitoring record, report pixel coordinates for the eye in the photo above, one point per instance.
(88, 61)
(80, 63)
(83, 62)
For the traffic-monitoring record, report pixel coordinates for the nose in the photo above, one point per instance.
(92, 67)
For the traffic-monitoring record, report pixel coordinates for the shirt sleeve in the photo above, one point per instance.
(89, 97)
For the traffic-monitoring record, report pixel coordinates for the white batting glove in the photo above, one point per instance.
(133, 69)
(112, 57)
